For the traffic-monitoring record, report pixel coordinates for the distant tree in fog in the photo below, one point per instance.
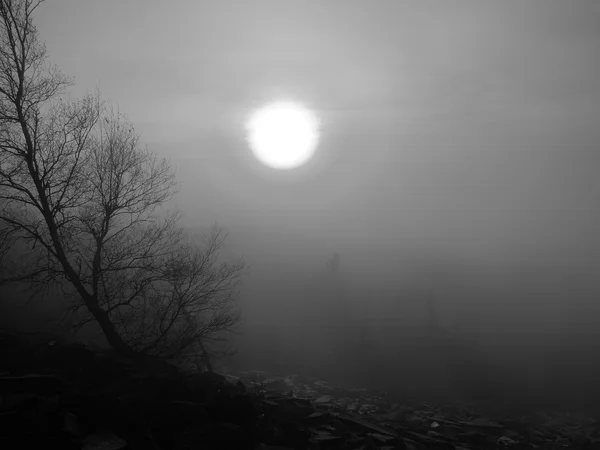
(333, 263)
(80, 201)
(433, 323)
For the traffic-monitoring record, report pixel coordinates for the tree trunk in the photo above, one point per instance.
(205, 356)
(110, 332)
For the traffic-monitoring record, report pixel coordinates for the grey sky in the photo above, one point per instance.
(463, 127)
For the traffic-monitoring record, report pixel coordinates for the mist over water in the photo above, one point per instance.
(441, 318)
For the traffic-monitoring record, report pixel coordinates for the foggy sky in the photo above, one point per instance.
(458, 135)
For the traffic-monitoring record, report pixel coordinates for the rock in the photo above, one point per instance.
(324, 399)
(214, 436)
(240, 410)
(31, 384)
(103, 441)
(16, 356)
(290, 410)
(368, 426)
(278, 384)
(483, 424)
(204, 387)
(177, 415)
(272, 447)
(74, 425)
(475, 438)
(167, 421)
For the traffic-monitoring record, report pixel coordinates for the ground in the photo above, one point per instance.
(71, 397)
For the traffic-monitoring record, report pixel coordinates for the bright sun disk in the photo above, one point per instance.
(283, 135)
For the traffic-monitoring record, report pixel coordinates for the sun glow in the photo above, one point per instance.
(283, 135)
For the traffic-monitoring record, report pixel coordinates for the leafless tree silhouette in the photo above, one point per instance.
(80, 200)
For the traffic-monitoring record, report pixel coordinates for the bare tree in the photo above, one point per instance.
(81, 200)
(333, 263)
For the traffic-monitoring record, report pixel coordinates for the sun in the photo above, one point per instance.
(283, 135)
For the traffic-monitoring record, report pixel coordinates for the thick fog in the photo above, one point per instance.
(455, 179)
